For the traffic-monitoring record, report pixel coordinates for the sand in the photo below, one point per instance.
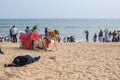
(74, 61)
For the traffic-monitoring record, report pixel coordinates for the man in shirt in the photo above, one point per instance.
(14, 34)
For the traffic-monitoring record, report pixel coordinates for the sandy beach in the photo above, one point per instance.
(74, 61)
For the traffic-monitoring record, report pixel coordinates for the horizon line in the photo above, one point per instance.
(59, 18)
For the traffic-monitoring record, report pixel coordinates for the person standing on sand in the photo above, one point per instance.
(110, 34)
(95, 37)
(87, 36)
(106, 33)
(101, 36)
(14, 34)
(114, 39)
(11, 36)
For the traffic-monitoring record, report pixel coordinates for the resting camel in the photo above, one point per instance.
(52, 34)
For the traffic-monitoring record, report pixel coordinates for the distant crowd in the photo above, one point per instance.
(105, 36)
(69, 39)
(101, 36)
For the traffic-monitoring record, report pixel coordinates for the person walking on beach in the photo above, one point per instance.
(14, 34)
(22, 60)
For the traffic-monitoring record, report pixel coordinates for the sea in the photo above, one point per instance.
(66, 27)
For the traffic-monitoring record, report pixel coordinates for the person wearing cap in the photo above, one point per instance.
(35, 28)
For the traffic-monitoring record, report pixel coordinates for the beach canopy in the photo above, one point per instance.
(26, 39)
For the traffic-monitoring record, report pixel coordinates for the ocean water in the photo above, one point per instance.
(66, 27)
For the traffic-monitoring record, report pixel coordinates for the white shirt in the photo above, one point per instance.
(14, 31)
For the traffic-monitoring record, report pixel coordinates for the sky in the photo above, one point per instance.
(59, 8)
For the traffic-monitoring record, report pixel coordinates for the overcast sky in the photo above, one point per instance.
(59, 8)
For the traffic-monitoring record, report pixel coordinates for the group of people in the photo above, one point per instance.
(69, 39)
(34, 29)
(13, 34)
(48, 37)
(43, 40)
(27, 59)
(107, 36)
(104, 36)
(12, 37)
